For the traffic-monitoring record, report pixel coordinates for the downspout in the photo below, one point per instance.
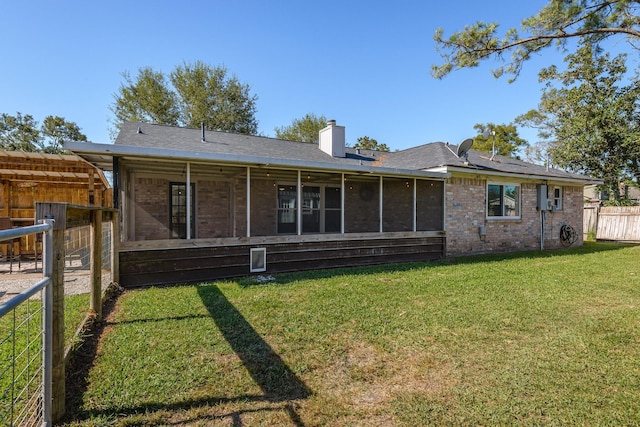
(542, 215)
(188, 201)
(248, 201)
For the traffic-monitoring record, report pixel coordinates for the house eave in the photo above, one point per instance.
(102, 154)
(451, 170)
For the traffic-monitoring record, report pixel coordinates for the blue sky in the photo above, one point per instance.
(364, 64)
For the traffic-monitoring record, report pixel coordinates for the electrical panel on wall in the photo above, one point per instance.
(542, 201)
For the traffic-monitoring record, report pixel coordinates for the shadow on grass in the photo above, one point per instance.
(277, 381)
(158, 319)
(587, 248)
(279, 384)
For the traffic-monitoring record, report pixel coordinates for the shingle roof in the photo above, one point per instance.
(438, 155)
(434, 157)
(169, 137)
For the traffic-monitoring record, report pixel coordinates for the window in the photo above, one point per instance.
(557, 199)
(178, 210)
(321, 209)
(503, 200)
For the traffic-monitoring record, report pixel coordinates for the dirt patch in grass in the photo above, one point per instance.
(365, 380)
(83, 355)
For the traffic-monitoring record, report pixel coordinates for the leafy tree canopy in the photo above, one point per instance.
(190, 95)
(588, 119)
(306, 129)
(55, 130)
(501, 139)
(23, 133)
(589, 21)
(367, 143)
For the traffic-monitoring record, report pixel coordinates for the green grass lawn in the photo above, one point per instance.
(529, 338)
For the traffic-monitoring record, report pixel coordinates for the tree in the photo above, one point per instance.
(55, 130)
(591, 123)
(589, 21)
(367, 143)
(19, 133)
(504, 139)
(147, 99)
(191, 95)
(306, 129)
(210, 96)
(23, 133)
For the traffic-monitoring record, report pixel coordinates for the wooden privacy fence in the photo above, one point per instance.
(619, 223)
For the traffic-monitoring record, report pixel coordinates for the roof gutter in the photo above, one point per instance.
(80, 148)
(452, 169)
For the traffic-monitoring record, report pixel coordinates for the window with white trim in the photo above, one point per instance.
(503, 201)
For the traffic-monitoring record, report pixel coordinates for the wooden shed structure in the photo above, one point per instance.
(27, 178)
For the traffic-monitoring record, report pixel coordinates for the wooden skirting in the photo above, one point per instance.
(156, 266)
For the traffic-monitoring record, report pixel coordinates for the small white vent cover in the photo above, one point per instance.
(258, 260)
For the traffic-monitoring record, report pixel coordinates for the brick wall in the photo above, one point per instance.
(361, 204)
(239, 219)
(429, 205)
(466, 213)
(213, 214)
(151, 204)
(213, 208)
(263, 207)
(397, 207)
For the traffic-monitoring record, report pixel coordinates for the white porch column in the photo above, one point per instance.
(415, 204)
(342, 204)
(248, 201)
(299, 187)
(189, 195)
(380, 203)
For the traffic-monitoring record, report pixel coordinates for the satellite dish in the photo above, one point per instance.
(464, 147)
(486, 133)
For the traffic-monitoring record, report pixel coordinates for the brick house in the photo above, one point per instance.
(500, 204)
(200, 205)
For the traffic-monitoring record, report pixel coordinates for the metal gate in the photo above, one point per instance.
(26, 342)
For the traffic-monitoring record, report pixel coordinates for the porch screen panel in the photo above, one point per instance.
(287, 211)
(178, 210)
(311, 209)
(361, 207)
(332, 211)
(430, 205)
(397, 214)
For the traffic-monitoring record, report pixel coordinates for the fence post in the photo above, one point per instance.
(47, 271)
(96, 263)
(115, 245)
(57, 325)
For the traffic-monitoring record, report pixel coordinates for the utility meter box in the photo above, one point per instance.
(542, 202)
